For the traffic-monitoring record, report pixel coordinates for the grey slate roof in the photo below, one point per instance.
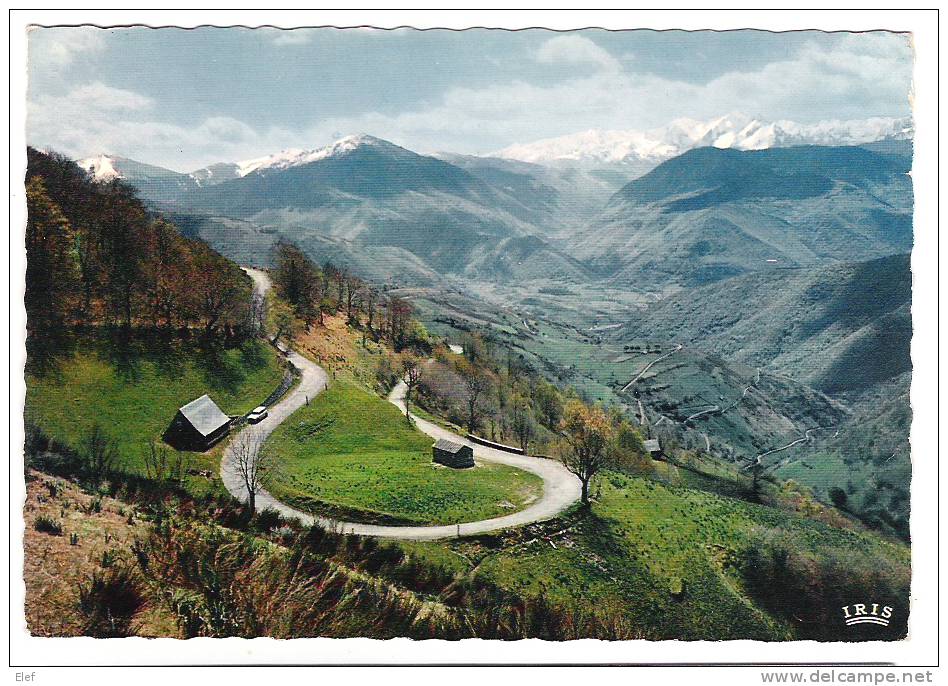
(651, 445)
(448, 446)
(204, 415)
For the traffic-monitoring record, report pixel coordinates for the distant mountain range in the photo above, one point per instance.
(747, 242)
(413, 216)
(714, 213)
(642, 149)
(707, 214)
(155, 184)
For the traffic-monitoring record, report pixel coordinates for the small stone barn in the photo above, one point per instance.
(452, 454)
(653, 448)
(198, 425)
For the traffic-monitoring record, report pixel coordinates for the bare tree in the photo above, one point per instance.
(369, 302)
(475, 383)
(411, 373)
(258, 311)
(399, 318)
(252, 464)
(353, 296)
(339, 277)
(522, 422)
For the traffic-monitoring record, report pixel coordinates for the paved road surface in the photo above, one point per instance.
(560, 488)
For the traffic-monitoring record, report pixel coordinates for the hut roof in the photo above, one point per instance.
(448, 446)
(204, 415)
(651, 445)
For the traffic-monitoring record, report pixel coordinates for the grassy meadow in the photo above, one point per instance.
(134, 390)
(352, 454)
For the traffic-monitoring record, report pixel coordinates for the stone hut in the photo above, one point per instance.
(198, 425)
(653, 448)
(452, 454)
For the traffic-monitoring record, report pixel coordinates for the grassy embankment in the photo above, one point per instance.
(134, 391)
(668, 558)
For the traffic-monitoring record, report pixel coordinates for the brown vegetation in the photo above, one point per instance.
(96, 256)
(64, 574)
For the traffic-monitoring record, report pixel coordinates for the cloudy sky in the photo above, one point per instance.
(183, 99)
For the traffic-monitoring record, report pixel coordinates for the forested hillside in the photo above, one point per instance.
(97, 256)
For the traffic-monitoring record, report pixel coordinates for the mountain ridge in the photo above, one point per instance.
(715, 213)
(635, 147)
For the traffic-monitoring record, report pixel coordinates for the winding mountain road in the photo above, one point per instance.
(649, 366)
(560, 488)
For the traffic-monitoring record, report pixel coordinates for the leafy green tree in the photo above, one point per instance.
(588, 434)
(222, 292)
(298, 281)
(121, 221)
(548, 404)
(51, 261)
(283, 322)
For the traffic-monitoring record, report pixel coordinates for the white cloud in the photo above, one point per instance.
(858, 77)
(98, 96)
(96, 118)
(58, 47)
(575, 49)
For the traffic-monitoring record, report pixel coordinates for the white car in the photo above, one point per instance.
(258, 414)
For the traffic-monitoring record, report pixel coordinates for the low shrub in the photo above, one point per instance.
(109, 601)
(266, 520)
(48, 525)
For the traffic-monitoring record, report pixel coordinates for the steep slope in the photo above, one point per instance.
(381, 198)
(554, 197)
(252, 244)
(840, 329)
(869, 459)
(155, 184)
(712, 213)
(845, 330)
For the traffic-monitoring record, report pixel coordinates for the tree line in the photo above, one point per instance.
(307, 293)
(97, 256)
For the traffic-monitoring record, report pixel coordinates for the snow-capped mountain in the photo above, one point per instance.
(216, 173)
(153, 182)
(292, 157)
(295, 157)
(634, 147)
(101, 167)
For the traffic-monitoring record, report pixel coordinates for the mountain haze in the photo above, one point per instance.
(712, 213)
